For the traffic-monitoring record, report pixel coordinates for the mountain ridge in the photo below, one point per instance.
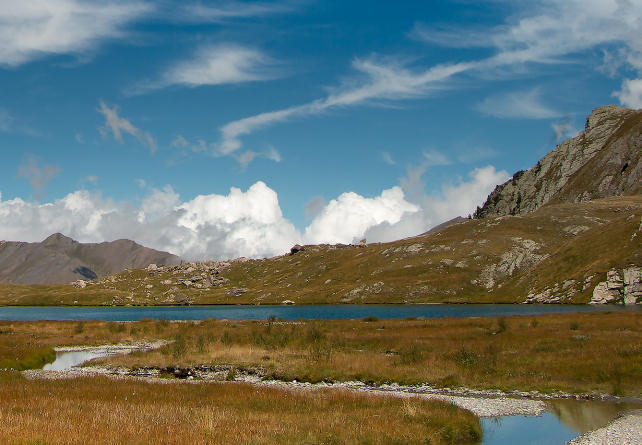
(59, 259)
(604, 160)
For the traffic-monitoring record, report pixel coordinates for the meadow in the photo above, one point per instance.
(577, 353)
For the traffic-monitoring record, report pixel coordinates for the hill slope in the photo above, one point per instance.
(604, 160)
(566, 249)
(60, 259)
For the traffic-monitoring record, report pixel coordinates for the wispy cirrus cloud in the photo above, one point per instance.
(215, 65)
(118, 125)
(39, 176)
(376, 80)
(517, 105)
(546, 32)
(38, 28)
(225, 11)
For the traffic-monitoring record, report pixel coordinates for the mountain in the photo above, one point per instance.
(60, 259)
(567, 231)
(602, 161)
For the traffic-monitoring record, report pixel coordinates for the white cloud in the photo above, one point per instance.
(563, 130)
(38, 176)
(517, 105)
(347, 218)
(247, 223)
(433, 158)
(33, 29)
(207, 227)
(377, 80)
(91, 178)
(545, 32)
(215, 65)
(224, 11)
(387, 158)
(455, 199)
(631, 93)
(119, 125)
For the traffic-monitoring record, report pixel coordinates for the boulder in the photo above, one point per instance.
(296, 249)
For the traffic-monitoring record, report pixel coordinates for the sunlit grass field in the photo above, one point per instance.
(594, 352)
(105, 411)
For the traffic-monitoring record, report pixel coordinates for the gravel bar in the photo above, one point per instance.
(626, 429)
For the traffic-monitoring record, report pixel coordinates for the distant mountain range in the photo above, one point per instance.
(59, 259)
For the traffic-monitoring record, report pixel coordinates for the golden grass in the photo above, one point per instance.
(585, 352)
(99, 410)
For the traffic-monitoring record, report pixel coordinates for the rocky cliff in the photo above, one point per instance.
(602, 161)
(60, 259)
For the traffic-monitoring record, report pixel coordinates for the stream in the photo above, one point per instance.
(563, 421)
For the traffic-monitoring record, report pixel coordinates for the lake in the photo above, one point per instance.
(328, 312)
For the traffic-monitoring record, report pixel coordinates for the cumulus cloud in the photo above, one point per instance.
(243, 223)
(119, 125)
(215, 65)
(347, 218)
(631, 93)
(517, 105)
(207, 227)
(38, 176)
(34, 29)
(459, 198)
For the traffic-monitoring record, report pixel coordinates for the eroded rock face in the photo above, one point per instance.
(522, 255)
(624, 288)
(604, 160)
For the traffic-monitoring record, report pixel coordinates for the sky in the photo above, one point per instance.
(219, 129)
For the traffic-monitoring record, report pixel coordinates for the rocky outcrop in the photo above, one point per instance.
(521, 255)
(602, 161)
(620, 288)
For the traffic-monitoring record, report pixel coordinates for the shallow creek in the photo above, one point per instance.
(562, 421)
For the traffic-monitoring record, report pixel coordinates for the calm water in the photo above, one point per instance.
(33, 313)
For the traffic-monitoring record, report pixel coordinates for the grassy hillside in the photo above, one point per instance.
(565, 248)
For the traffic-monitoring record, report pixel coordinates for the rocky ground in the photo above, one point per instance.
(626, 429)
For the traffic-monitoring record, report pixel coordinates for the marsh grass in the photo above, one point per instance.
(441, 352)
(131, 412)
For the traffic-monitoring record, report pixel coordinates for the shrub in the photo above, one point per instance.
(226, 339)
(370, 318)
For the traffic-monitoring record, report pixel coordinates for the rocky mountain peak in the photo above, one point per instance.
(602, 161)
(58, 240)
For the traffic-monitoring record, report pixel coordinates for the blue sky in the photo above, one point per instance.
(333, 120)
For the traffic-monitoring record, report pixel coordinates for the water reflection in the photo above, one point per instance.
(535, 430)
(66, 360)
(566, 420)
(583, 416)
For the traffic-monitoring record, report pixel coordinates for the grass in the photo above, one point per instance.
(99, 410)
(510, 353)
(588, 352)
(437, 267)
